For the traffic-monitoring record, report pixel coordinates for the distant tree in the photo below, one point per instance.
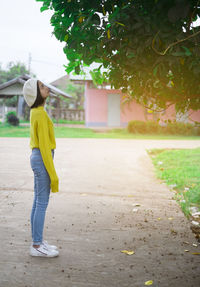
(150, 48)
(77, 92)
(13, 70)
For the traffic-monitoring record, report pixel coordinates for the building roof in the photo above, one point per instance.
(80, 78)
(61, 82)
(15, 87)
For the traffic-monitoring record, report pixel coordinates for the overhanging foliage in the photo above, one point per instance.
(150, 48)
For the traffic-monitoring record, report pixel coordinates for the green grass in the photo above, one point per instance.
(11, 131)
(24, 121)
(180, 167)
(66, 132)
(60, 121)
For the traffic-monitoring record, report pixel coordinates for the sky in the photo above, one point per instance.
(25, 30)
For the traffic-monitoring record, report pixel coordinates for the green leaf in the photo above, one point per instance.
(178, 54)
(77, 70)
(131, 55)
(85, 65)
(121, 24)
(71, 56)
(187, 51)
(155, 70)
(66, 37)
(108, 26)
(44, 8)
(69, 69)
(59, 33)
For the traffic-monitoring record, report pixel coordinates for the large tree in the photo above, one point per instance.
(150, 48)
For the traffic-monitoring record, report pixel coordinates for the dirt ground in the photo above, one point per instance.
(94, 217)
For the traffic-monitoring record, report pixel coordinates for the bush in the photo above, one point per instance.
(137, 127)
(179, 128)
(12, 119)
(143, 127)
(152, 127)
(197, 130)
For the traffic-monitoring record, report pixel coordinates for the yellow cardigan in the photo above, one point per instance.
(42, 137)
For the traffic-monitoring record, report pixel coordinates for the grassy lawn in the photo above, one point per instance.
(60, 121)
(67, 132)
(182, 169)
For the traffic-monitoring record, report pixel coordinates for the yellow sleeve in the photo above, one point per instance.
(45, 149)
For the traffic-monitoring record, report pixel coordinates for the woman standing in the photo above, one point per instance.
(42, 143)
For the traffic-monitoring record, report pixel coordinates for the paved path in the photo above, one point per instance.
(91, 219)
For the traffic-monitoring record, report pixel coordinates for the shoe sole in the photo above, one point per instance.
(37, 254)
(56, 249)
(46, 256)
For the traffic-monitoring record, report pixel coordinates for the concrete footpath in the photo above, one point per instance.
(109, 201)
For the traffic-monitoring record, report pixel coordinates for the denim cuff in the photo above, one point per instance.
(37, 243)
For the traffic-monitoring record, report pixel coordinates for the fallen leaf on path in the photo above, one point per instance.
(186, 242)
(196, 214)
(173, 231)
(135, 210)
(173, 185)
(186, 250)
(195, 223)
(128, 252)
(195, 245)
(170, 218)
(148, 283)
(193, 210)
(196, 253)
(159, 218)
(83, 194)
(136, 204)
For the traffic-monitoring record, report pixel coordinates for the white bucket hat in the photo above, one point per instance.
(30, 91)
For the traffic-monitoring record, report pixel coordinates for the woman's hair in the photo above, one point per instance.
(39, 100)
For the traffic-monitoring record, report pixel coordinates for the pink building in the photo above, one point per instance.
(104, 108)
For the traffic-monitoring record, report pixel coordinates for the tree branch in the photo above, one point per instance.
(159, 111)
(172, 44)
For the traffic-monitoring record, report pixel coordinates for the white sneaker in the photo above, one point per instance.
(43, 251)
(45, 243)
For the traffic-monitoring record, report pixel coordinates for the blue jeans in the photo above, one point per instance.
(41, 195)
